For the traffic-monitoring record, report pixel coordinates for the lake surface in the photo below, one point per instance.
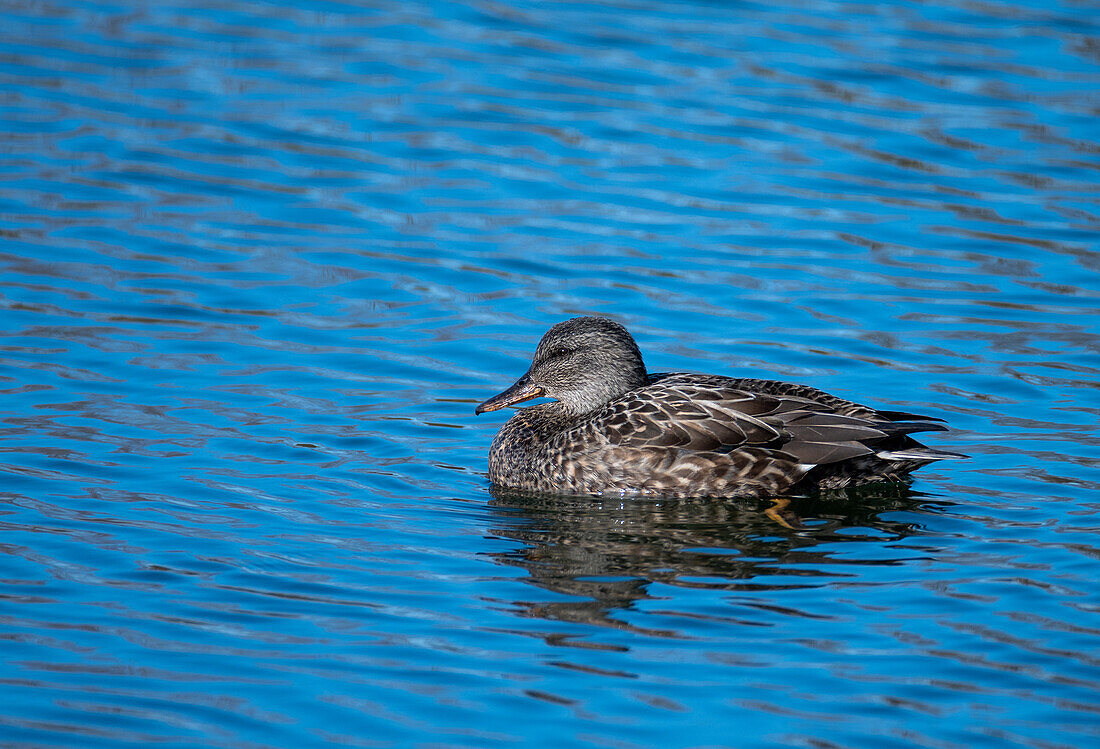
(261, 260)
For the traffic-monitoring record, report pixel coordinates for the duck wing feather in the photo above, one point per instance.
(687, 417)
(715, 414)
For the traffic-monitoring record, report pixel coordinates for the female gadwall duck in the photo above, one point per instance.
(615, 428)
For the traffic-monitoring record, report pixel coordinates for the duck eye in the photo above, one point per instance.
(563, 350)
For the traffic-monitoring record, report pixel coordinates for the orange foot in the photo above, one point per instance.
(778, 513)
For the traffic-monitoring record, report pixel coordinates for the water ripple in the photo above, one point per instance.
(261, 262)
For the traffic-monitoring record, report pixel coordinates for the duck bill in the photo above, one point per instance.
(523, 390)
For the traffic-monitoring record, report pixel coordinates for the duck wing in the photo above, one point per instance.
(795, 391)
(691, 417)
(710, 413)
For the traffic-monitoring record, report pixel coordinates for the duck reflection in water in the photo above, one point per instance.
(617, 430)
(608, 552)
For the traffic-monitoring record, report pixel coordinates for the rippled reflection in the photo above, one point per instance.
(609, 552)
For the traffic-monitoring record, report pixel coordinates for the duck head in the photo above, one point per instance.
(584, 363)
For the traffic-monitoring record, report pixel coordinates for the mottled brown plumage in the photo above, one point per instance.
(615, 428)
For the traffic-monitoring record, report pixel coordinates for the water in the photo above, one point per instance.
(260, 262)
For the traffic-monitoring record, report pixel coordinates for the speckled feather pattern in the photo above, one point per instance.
(683, 435)
(700, 435)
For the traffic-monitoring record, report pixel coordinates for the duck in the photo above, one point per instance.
(613, 428)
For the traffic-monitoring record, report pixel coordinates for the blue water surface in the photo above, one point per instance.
(261, 260)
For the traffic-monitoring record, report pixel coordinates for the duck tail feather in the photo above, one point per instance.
(906, 416)
(920, 453)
